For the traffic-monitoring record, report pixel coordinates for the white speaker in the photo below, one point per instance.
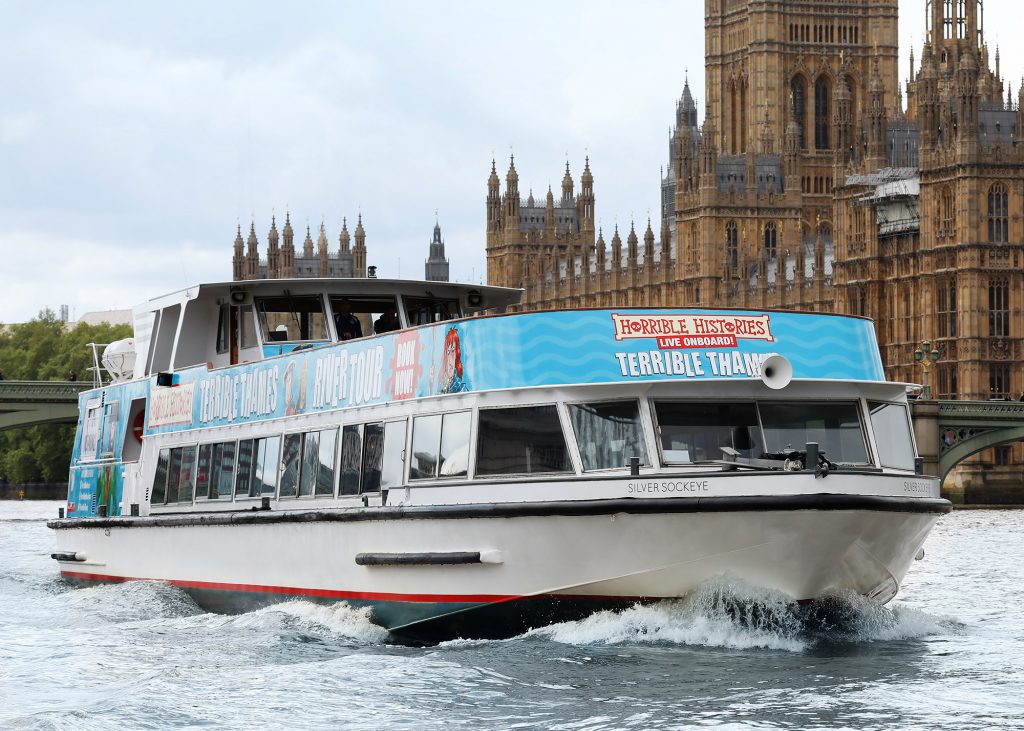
(776, 372)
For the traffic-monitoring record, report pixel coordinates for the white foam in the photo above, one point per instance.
(728, 613)
(338, 618)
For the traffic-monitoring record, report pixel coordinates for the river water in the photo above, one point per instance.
(948, 653)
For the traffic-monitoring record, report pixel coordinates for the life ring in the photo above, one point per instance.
(139, 425)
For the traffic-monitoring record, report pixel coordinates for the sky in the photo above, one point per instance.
(135, 137)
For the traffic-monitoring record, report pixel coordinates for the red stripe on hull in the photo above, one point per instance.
(339, 594)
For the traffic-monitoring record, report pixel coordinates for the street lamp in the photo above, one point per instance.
(926, 355)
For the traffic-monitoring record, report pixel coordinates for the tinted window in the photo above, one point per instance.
(455, 445)
(608, 434)
(290, 465)
(440, 446)
(891, 426)
(160, 479)
(351, 459)
(524, 440)
(373, 457)
(697, 432)
(426, 444)
(394, 454)
(424, 311)
(325, 462)
(834, 426)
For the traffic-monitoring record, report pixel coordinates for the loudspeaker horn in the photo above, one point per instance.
(776, 372)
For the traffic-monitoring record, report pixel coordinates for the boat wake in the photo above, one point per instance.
(731, 614)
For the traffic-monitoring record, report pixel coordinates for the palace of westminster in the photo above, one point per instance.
(811, 184)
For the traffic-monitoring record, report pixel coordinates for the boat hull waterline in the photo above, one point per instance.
(498, 576)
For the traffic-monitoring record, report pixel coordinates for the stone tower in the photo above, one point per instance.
(436, 265)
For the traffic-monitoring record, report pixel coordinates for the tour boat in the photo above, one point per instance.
(465, 471)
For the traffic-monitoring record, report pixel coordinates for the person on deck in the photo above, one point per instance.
(346, 323)
(387, 322)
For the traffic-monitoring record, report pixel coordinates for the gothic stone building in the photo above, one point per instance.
(283, 261)
(811, 185)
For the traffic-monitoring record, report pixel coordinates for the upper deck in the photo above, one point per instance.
(231, 323)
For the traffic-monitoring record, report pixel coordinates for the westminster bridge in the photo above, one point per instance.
(947, 432)
(27, 403)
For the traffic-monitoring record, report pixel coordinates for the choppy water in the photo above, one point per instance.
(947, 654)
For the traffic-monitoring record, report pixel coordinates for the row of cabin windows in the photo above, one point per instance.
(523, 440)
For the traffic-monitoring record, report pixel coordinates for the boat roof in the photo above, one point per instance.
(490, 298)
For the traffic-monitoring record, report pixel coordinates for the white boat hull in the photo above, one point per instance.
(530, 563)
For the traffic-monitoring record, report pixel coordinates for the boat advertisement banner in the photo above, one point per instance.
(536, 349)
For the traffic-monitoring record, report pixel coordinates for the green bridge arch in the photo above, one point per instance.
(948, 432)
(27, 403)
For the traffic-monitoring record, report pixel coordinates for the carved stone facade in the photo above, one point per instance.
(284, 262)
(810, 185)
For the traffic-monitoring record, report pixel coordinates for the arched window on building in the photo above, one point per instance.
(732, 245)
(798, 97)
(998, 308)
(998, 220)
(947, 308)
(822, 117)
(771, 240)
(947, 212)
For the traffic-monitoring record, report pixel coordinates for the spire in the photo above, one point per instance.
(587, 177)
(344, 239)
(631, 243)
(321, 241)
(307, 245)
(512, 178)
(567, 188)
(239, 244)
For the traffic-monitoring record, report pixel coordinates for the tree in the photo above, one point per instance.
(43, 349)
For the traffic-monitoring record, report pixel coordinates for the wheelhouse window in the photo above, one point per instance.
(440, 446)
(307, 463)
(522, 440)
(428, 310)
(835, 426)
(291, 319)
(215, 471)
(701, 431)
(257, 467)
(175, 475)
(893, 439)
(608, 434)
(357, 317)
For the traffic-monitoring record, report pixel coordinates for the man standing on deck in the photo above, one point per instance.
(346, 323)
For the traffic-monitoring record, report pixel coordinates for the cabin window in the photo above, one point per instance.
(215, 471)
(428, 310)
(175, 473)
(608, 434)
(374, 315)
(525, 440)
(834, 426)
(307, 463)
(257, 467)
(891, 426)
(351, 459)
(440, 446)
(223, 329)
(372, 457)
(291, 319)
(698, 432)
